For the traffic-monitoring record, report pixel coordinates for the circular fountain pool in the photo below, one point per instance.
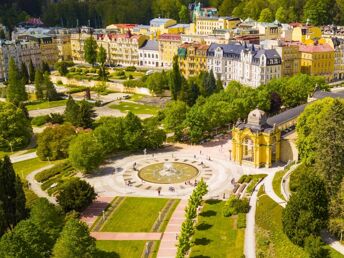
(168, 173)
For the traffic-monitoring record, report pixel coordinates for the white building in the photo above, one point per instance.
(242, 63)
(149, 54)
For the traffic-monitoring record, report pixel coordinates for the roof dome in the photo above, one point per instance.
(257, 117)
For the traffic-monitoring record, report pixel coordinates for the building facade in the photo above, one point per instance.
(149, 55)
(168, 48)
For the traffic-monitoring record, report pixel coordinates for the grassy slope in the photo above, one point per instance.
(216, 235)
(276, 183)
(24, 168)
(135, 215)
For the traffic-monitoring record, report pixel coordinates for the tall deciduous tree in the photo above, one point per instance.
(266, 15)
(90, 50)
(75, 241)
(183, 14)
(16, 87)
(175, 114)
(227, 7)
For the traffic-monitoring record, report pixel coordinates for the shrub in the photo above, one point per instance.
(134, 84)
(119, 73)
(241, 223)
(56, 118)
(130, 77)
(76, 194)
(51, 172)
(234, 206)
(40, 120)
(130, 69)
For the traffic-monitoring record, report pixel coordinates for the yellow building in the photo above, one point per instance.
(77, 41)
(256, 143)
(291, 57)
(306, 34)
(168, 48)
(64, 47)
(206, 25)
(317, 60)
(338, 45)
(192, 58)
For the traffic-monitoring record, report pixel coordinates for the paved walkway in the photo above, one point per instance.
(168, 248)
(250, 235)
(126, 236)
(36, 187)
(16, 158)
(89, 216)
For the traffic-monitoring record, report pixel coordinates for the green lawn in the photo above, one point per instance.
(135, 215)
(24, 168)
(47, 104)
(216, 235)
(135, 108)
(270, 239)
(122, 249)
(276, 183)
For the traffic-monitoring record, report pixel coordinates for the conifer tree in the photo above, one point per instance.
(31, 72)
(45, 68)
(86, 115)
(175, 79)
(16, 88)
(24, 73)
(50, 91)
(72, 111)
(39, 84)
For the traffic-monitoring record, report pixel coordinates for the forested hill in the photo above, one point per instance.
(100, 13)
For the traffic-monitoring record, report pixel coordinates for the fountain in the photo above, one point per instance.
(168, 172)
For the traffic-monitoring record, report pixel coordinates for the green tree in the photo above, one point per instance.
(62, 68)
(53, 142)
(210, 84)
(90, 50)
(24, 73)
(133, 132)
(317, 12)
(195, 123)
(157, 82)
(15, 128)
(175, 79)
(266, 15)
(16, 87)
(85, 153)
(50, 91)
(315, 247)
(307, 210)
(86, 115)
(39, 84)
(101, 59)
(72, 110)
(76, 195)
(227, 7)
(175, 114)
(45, 68)
(281, 15)
(183, 14)
(75, 241)
(153, 136)
(2, 34)
(31, 72)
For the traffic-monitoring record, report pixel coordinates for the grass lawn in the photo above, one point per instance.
(135, 108)
(122, 249)
(47, 104)
(270, 239)
(216, 235)
(24, 168)
(276, 183)
(135, 215)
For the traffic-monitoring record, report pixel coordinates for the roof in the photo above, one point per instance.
(158, 21)
(170, 37)
(180, 25)
(286, 115)
(324, 94)
(34, 21)
(150, 45)
(316, 48)
(269, 53)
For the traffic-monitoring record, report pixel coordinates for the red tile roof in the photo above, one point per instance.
(316, 48)
(170, 37)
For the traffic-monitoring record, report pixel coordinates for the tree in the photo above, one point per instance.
(2, 34)
(90, 50)
(153, 136)
(48, 218)
(53, 142)
(196, 123)
(75, 241)
(183, 14)
(307, 210)
(85, 153)
(50, 91)
(157, 82)
(62, 67)
(175, 114)
(266, 15)
(281, 15)
(133, 132)
(16, 88)
(71, 112)
(24, 73)
(12, 197)
(86, 115)
(209, 84)
(227, 7)
(45, 68)
(31, 72)
(101, 59)
(317, 12)
(76, 195)
(15, 128)
(175, 79)
(39, 84)
(315, 247)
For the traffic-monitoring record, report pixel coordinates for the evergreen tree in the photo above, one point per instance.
(101, 59)
(71, 112)
(50, 91)
(45, 68)
(86, 115)
(31, 72)
(219, 85)
(75, 241)
(175, 79)
(90, 50)
(16, 88)
(39, 84)
(210, 84)
(24, 73)
(20, 200)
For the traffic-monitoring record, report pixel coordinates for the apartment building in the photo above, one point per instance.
(168, 48)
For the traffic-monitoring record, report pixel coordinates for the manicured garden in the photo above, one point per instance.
(135, 215)
(24, 168)
(270, 239)
(217, 235)
(135, 108)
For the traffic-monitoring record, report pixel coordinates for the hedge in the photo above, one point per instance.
(51, 172)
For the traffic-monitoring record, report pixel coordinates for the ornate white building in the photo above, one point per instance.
(245, 64)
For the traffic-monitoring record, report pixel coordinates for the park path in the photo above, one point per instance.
(36, 187)
(18, 158)
(168, 244)
(90, 215)
(326, 237)
(250, 235)
(156, 236)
